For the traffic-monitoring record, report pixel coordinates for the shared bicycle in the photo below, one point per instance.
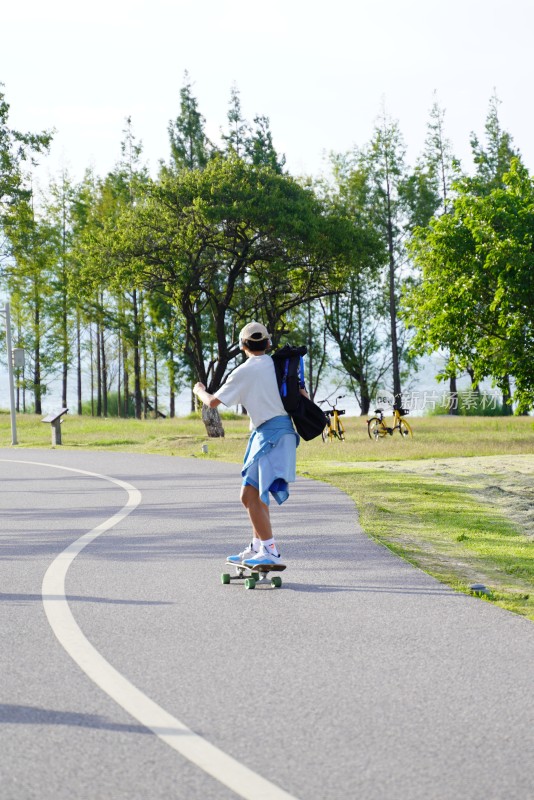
(334, 428)
(378, 429)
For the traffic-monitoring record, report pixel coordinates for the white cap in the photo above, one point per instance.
(255, 332)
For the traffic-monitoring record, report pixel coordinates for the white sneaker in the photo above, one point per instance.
(263, 557)
(248, 552)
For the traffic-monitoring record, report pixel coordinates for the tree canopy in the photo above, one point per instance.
(230, 242)
(476, 296)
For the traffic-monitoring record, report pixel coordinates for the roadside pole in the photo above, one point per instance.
(10, 372)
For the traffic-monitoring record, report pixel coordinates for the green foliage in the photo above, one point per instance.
(477, 293)
(16, 151)
(89, 408)
(140, 274)
(493, 160)
(374, 186)
(190, 148)
(226, 243)
(438, 161)
(473, 404)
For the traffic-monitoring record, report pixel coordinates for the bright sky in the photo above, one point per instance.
(319, 70)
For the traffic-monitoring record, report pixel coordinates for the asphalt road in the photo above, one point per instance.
(361, 677)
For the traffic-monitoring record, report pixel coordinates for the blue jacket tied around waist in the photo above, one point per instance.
(270, 462)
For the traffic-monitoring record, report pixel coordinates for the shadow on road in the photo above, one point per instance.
(11, 714)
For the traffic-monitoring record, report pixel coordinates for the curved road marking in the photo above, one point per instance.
(225, 769)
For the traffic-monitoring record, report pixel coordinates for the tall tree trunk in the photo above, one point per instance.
(365, 398)
(397, 391)
(65, 353)
(104, 373)
(310, 350)
(145, 369)
(98, 373)
(64, 303)
(78, 361)
(126, 380)
(453, 391)
(37, 388)
(92, 362)
(155, 384)
(507, 406)
(172, 383)
(19, 375)
(119, 387)
(137, 359)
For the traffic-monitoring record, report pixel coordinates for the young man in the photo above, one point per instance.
(270, 459)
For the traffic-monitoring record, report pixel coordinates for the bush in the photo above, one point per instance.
(113, 406)
(471, 404)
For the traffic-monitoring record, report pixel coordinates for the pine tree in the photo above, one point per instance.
(190, 147)
(492, 159)
(260, 149)
(238, 137)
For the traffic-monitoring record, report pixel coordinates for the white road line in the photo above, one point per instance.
(225, 769)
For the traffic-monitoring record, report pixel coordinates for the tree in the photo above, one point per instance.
(356, 329)
(83, 201)
(374, 188)
(190, 147)
(493, 159)
(58, 207)
(356, 317)
(227, 243)
(260, 149)
(305, 326)
(398, 200)
(114, 307)
(442, 169)
(438, 160)
(33, 247)
(16, 150)
(238, 137)
(477, 293)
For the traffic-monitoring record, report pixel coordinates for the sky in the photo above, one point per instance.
(321, 72)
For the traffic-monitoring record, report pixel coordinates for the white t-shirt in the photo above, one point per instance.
(254, 386)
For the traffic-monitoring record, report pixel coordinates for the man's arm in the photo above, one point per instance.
(208, 399)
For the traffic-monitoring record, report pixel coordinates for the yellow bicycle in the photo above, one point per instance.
(377, 428)
(334, 428)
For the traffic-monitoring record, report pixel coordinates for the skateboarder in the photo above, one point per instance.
(270, 459)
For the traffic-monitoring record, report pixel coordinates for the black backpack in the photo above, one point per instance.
(308, 418)
(289, 367)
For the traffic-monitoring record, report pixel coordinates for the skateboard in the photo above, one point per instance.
(254, 575)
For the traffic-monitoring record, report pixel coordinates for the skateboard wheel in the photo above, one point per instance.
(255, 576)
(276, 582)
(225, 578)
(250, 583)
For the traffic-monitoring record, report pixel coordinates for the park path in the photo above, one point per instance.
(362, 677)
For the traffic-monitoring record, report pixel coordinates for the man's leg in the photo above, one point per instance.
(258, 512)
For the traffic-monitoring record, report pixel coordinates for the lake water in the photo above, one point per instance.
(422, 393)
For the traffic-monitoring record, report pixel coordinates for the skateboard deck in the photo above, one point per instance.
(258, 567)
(252, 574)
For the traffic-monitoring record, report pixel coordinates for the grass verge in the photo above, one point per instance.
(442, 527)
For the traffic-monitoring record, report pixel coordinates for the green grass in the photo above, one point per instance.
(456, 500)
(440, 525)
